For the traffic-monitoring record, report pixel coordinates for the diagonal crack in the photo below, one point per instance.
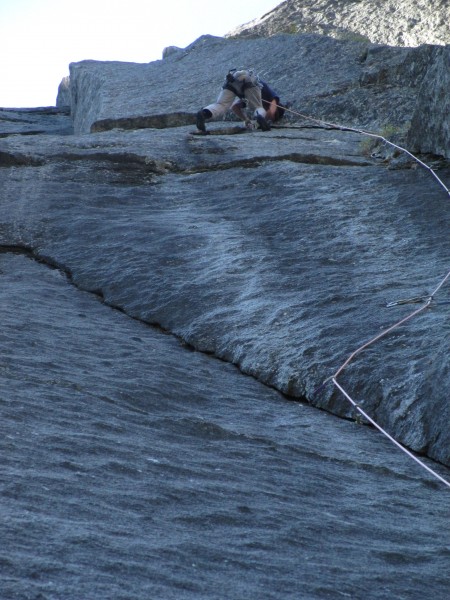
(32, 254)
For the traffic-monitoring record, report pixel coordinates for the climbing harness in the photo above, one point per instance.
(426, 300)
(239, 80)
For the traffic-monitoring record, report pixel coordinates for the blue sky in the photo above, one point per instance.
(39, 38)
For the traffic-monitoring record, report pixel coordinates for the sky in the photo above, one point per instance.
(40, 38)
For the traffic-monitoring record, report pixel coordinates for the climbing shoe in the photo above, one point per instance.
(201, 121)
(264, 125)
(202, 115)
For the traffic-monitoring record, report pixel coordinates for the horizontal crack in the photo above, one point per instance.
(311, 159)
(35, 132)
(9, 159)
(145, 122)
(162, 167)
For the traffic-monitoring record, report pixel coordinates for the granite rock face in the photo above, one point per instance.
(171, 306)
(430, 125)
(392, 22)
(133, 467)
(272, 251)
(35, 121)
(363, 85)
(64, 96)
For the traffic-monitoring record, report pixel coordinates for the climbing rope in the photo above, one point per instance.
(373, 135)
(426, 299)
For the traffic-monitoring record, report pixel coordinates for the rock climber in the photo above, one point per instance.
(239, 85)
(270, 101)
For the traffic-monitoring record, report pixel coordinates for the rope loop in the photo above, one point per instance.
(418, 299)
